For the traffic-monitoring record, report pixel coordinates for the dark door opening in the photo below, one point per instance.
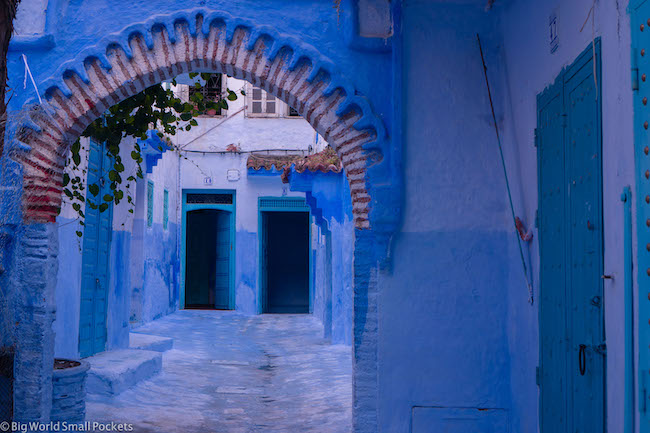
(207, 259)
(285, 250)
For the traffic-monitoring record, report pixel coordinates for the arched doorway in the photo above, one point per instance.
(120, 66)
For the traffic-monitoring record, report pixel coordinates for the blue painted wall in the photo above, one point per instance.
(246, 272)
(160, 290)
(443, 302)
(328, 195)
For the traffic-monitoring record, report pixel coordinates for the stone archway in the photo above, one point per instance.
(122, 66)
(142, 55)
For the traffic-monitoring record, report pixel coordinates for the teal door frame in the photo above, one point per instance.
(188, 207)
(279, 204)
(572, 355)
(640, 26)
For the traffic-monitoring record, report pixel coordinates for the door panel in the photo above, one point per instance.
(95, 258)
(552, 193)
(200, 259)
(572, 360)
(585, 220)
(222, 281)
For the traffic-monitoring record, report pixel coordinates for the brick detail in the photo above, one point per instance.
(128, 76)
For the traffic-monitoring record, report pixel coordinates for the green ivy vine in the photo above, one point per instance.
(154, 108)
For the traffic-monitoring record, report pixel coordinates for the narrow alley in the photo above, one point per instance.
(232, 373)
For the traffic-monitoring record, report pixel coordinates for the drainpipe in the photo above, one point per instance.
(629, 415)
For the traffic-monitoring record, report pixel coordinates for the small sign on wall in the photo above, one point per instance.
(207, 180)
(233, 175)
(554, 38)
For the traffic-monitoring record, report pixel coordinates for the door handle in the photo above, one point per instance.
(582, 360)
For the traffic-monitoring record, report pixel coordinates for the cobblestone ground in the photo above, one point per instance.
(238, 374)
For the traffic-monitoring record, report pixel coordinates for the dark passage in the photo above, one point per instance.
(207, 249)
(287, 262)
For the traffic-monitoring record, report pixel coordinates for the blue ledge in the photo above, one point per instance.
(323, 193)
(152, 149)
(32, 43)
(264, 172)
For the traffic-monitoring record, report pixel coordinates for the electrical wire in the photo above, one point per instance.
(505, 173)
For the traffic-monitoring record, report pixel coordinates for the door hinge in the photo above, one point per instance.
(536, 144)
(564, 120)
(538, 379)
(600, 348)
(536, 218)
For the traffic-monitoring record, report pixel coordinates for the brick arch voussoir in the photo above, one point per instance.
(169, 46)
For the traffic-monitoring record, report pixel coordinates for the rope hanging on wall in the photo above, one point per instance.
(505, 173)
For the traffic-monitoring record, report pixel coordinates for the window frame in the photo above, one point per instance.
(165, 209)
(150, 202)
(249, 103)
(186, 94)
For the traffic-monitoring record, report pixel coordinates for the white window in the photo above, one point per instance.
(259, 103)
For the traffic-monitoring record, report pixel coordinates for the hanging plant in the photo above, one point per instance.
(154, 108)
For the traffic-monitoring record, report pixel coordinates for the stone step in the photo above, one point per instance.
(115, 371)
(150, 342)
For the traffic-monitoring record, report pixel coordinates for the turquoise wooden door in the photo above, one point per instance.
(572, 351)
(95, 258)
(224, 247)
(640, 22)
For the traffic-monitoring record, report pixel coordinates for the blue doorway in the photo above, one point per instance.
(571, 317)
(285, 255)
(95, 257)
(207, 247)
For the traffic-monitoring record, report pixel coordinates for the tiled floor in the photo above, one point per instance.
(238, 374)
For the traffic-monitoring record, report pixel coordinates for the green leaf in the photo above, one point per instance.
(108, 197)
(103, 207)
(66, 179)
(186, 116)
(232, 96)
(68, 193)
(76, 158)
(79, 233)
(94, 189)
(76, 206)
(193, 122)
(130, 210)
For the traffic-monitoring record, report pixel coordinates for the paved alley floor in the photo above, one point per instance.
(232, 373)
